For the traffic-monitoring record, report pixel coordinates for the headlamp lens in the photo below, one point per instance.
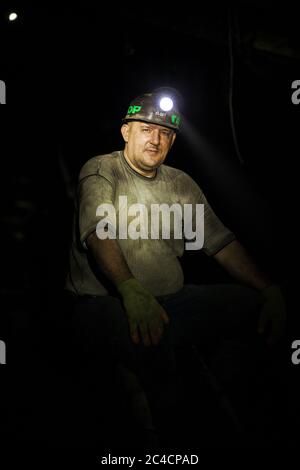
(166, 104)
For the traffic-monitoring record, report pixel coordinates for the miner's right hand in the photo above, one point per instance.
(147, 318)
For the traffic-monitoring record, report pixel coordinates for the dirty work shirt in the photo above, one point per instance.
(154, 262)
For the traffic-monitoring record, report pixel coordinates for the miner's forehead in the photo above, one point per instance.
(149, 124)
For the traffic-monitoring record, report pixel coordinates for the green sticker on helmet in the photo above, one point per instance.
(175, 119)
(134, 109)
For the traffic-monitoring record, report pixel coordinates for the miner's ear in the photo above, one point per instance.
(125, 131)
(173, 139)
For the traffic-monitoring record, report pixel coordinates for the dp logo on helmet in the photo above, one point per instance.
(2, 92)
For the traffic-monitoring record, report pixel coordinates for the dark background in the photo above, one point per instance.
(70, 73)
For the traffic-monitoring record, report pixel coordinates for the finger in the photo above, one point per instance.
(146, 339)
(134, 332)
(135, 337)
(156, 334)
(144, 334)
(165, 317)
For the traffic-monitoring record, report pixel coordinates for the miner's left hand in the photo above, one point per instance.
(273, 314)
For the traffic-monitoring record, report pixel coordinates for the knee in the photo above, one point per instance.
(98, 318)
(251, 298)
(94, 309)
(248, 304)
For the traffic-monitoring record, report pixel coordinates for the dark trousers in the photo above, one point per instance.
(202, 315)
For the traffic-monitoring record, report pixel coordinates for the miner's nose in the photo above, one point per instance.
(155, 137)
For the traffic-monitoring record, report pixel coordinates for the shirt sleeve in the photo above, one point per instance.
(216, 234)
(93, 190)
